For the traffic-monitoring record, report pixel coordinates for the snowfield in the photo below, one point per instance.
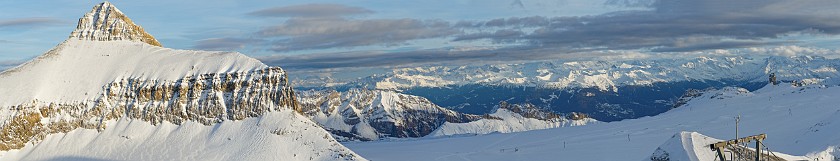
(76, 70)
(800, 121)
(280, 135)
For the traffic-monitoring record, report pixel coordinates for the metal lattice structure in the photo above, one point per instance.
(738, 151)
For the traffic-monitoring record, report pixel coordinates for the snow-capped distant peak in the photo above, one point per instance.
(107, 23)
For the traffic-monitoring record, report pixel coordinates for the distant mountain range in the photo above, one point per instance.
(606, 90)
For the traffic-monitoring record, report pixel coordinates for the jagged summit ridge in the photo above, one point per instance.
(107, 23)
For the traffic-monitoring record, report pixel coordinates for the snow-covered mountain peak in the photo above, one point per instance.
(107, 23)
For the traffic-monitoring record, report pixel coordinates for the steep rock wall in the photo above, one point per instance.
(205, 98)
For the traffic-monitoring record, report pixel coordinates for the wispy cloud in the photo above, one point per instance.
(672, 27)
(713, 23)
(33, 21)
(425, 56)
(326, 26)
(225, 43)
(306, 33)
(311, 10)
(7, 64)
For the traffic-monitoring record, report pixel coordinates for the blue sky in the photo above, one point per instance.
(328, 34)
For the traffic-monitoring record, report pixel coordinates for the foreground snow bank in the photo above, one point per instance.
(280, 135)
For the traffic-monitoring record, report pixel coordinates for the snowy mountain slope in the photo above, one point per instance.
(360, 114)
(77, 70)
(800, 121)
(110, 79)
(281, 135)
(513, 118)
(374, 114)
(608, 90)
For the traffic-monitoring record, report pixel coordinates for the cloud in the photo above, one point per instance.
(517, 4)
(322, 33)
(7, 64)
(342, 60)
(715, 22)
(630, 3)
(464, 55)
(33, 21)
(225, 43)
(311, 10)
(366, 59)
(327, 26)
(719, 45)
(669, 28)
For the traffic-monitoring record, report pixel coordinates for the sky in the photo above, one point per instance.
(327, 34)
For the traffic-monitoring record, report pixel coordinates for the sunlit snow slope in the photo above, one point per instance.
(273, 136)
(800, 121)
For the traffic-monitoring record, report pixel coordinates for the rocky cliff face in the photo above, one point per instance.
(107, 23)
(206, 98)
(528, 110)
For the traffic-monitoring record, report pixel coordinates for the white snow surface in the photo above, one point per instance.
(510, 122)
(76, 70)
(800, 121)
(279, 135)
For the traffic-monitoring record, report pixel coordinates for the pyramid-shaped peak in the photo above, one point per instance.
(107, 23)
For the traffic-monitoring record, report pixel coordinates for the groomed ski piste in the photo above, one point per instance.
(801, 123)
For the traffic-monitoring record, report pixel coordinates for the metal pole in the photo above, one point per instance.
(737, 119)
(720, 154)
(757, 150)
